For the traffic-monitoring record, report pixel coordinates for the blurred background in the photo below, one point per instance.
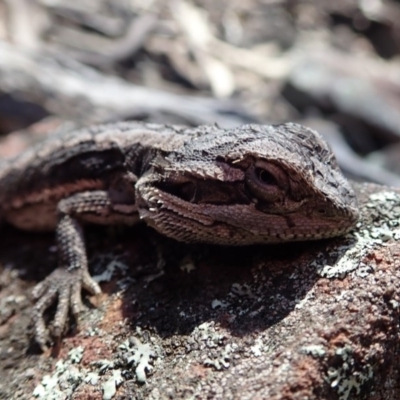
(330, 65)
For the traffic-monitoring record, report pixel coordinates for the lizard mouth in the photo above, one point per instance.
(206, 192)
(255, 200)
(217, 193)
(181, 213)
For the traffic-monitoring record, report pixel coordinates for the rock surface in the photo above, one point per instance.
(316, 320)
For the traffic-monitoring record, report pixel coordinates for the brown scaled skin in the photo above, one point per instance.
(252, 184)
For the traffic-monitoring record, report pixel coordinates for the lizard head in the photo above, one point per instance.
(253, 184)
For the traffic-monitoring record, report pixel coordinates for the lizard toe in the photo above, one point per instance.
(61, 315)
(41, 332)
(64, 287)
(89, 284)
(76, 301)
(40, 289)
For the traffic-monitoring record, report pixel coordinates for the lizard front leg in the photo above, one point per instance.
(65, 284)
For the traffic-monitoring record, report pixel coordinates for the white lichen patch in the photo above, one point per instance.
(65, 379)
(384, 197)
(207, 336)
(109, 374)
(69, 375)
(109, 387)
(112, 267)
(76, 354)
(62, 383)
(218, 304)
(138, 355)
(92, 378)
(134, 355)
(386, 205)
(214, 350)
(92, 331)
(258, 347)
(350, 259)
(314, 350)
(222, 359)
(345, 378)
(384, 212)
(242, 290)
(395, 304)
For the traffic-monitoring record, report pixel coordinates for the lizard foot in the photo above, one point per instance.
(64, 287)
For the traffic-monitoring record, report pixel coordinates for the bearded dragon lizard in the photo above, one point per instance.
(249, 185)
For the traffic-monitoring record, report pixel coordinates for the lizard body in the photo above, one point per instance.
(252, 184)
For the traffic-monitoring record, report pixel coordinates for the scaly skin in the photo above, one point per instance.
(253, 184)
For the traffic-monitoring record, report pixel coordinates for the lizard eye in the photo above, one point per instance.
(266, 181)
(265, 177)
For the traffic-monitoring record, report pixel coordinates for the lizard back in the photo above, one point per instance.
(32, 183)
(251, 184)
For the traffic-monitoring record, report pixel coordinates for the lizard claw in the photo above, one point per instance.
(64, 287)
